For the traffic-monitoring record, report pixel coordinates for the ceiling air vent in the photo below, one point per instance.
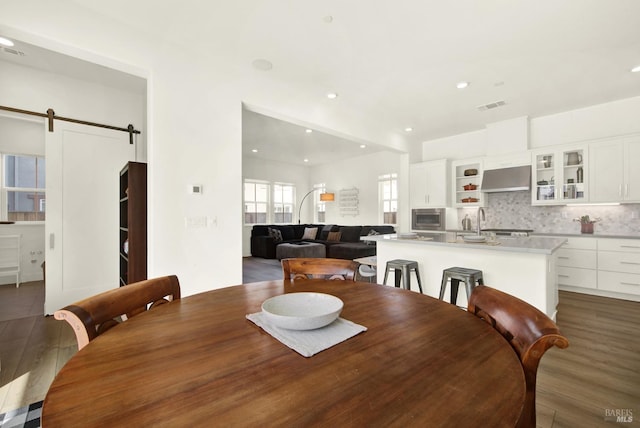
(12, 51)
(491, 105)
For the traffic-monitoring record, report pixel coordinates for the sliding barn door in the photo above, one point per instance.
(83, 166)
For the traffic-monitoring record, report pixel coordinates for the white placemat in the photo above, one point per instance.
(310, 342)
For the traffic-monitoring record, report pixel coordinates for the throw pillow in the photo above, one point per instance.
(310, 233)
(325, 231)
(334, 236)
(275, 234)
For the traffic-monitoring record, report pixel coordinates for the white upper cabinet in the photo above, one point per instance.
(559, 175)
(429, 184)
(614, 174)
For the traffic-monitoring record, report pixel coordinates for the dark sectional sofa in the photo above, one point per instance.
(263, 243)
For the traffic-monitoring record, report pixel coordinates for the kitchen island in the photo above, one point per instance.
(522, 266)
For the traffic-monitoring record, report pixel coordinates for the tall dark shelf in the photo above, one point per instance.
(133, 222)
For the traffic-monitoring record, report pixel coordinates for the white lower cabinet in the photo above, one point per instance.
(627, 283)
(619, 262)
(603, 266)
(577, 258)
(577, 262)
(619, 265)
(577, 277)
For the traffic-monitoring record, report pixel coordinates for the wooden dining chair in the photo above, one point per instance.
(529, 331)
(94, 315)
(307, 268)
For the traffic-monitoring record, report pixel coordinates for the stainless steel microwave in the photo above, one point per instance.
(428, 219)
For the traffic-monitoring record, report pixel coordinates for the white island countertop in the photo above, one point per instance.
(531, 244)
(521, 266)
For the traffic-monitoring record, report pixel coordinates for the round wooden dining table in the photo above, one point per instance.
(199, 362)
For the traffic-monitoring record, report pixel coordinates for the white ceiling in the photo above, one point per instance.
(284, 141)
(28, 55)
(395, 64)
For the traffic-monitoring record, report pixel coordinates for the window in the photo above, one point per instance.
(388, 196)
(283, 195)
(319, 207)
(256, 200)
(23, 188)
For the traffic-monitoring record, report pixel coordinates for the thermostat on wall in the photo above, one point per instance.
(196, 189)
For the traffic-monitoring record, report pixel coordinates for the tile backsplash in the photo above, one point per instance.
(514, 210)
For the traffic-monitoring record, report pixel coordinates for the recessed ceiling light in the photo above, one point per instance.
(408, 129)
(332, 95)
(363, 146)
(308, 131)
(462, 85)
(306, 160)
(262, 64)
(328, 19)
(254, 150)
(5, 42)
(635, 69)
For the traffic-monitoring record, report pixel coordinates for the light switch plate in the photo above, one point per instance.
(195, 222)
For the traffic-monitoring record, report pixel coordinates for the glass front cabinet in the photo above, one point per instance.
(559, 176)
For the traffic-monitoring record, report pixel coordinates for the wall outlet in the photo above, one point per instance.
(634, 215)
(564, 214)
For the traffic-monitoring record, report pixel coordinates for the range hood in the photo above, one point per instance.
(506, 179)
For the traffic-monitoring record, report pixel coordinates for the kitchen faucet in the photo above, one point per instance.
(480, 210)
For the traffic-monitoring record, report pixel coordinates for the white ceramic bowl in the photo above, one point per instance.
(302, 311)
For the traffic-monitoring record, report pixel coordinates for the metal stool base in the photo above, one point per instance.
(403, 269)
(457, 274)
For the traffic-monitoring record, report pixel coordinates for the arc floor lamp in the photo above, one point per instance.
(325, 197)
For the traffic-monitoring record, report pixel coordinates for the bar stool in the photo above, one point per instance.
(457, 274)
(403, 270)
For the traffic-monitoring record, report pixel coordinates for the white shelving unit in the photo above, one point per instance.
(467, 198)
(10, 256)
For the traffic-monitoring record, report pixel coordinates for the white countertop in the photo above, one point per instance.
(588, 235)
(532, 244)
(565, 234)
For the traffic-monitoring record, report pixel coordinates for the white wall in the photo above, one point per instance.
(361, 172)
(37, 90)
(461, 146)
(20, 135)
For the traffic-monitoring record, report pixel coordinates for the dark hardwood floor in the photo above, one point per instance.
(256, 269)
(33, 348)
(598, 375)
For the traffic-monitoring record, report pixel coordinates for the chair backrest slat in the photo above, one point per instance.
(93, 316)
